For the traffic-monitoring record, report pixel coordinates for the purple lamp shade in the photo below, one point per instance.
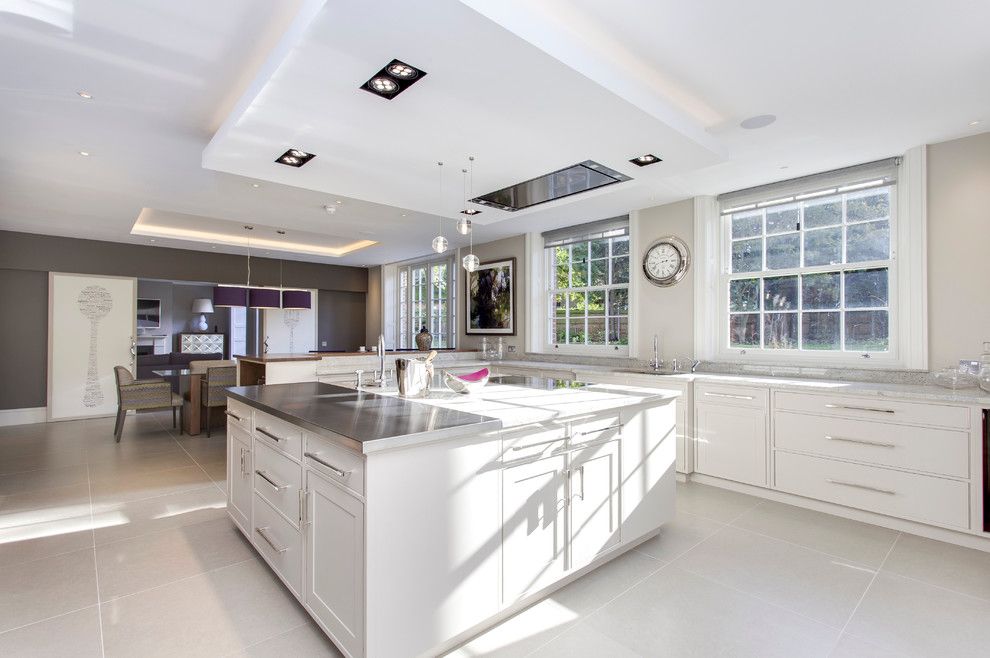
(229, 296)
(295, 299)
(264, 298)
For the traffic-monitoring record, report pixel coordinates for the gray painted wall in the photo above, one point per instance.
(28, 258)
(340, 320)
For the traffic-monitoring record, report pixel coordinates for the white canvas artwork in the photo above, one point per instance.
(291, 330)
(91, 330)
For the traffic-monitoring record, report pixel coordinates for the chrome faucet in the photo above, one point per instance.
(656, 363)
(694, 364)
(380, 373)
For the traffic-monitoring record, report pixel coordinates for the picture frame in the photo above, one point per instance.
(490, 292)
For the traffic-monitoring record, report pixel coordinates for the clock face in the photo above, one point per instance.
(666, 261)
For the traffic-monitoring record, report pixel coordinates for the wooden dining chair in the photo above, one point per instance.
(137, 394)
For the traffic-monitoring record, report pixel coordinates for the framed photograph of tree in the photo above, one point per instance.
(491, 297)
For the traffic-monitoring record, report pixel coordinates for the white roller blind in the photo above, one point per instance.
(863, 176)
(603, 228)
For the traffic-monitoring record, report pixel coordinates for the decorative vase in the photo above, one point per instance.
(424, 339)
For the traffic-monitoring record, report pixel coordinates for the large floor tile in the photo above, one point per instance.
(595, 589)
(962, 569)
(23, 482)
(583, 641)
(212, 614)
(46, 588)
(48, 459)
(102, 451)
(75, 634)
(816, 585)
(712, 502)
(116, 521)
(677, 536)
(124, 465)
(217, 471)
(845, 538)
(917, 619)
(202, 449)
(43, 523)
(853, 647)
(676, 613)
(306, 640)
(138, 486)
(140, 563)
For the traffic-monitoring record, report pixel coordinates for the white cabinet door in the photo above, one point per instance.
(334, 573)
(594, 496)
(91, 329)
(731, 442)
(533, 526)
(239, 478)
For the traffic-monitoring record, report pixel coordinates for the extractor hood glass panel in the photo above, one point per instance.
(582, 177)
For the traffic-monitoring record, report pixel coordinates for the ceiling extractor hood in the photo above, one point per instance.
(582, 177)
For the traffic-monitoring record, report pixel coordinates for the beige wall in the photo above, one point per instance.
(668, 312)
(958, 249)
(514, 247)
(373, 315)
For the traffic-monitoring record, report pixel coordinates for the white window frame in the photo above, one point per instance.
(405, 324)
(543, 293)
(907, 286)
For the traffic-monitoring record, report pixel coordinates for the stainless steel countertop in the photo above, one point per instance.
(358, 417)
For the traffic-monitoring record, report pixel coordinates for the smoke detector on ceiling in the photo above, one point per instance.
(330, 209)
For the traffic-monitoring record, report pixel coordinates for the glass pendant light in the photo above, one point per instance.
(440, 242)
(470, 262)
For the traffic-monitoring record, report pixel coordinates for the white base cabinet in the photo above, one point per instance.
(730, 425)
(410, 551)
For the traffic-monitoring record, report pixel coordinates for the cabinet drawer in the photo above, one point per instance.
(742, 396)
(338, 464)
(584, 431)
(875, 409)
(912, 496)
(279, 543)
(238, 415)
(278, 434)
(278, 480)
(532, 441)
(944, 452)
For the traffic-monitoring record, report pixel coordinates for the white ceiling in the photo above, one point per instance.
(192, 102)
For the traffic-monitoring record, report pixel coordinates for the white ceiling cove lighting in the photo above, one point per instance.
(759, 121)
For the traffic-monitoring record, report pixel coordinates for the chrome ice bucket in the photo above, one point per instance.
(414, 377)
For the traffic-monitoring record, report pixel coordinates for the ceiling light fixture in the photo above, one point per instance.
(974, 123)
(468, 192)
(759, 121)
(85, 154)
(645, 159)
(440, 242)
(84, 94)
(294, 158)
(464, 225)
(393, 78)
(255, 185)
(330, 209)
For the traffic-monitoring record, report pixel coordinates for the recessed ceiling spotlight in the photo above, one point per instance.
(471, 211)
(759, 121)
(249, 227)
(84, 94)
(394, 78)
(645, 159)
(294, 158)
(255, 185)
(404, 215)
(84, 153)
(974, 123)
(280, 231)
(339, 202)
(330, 209)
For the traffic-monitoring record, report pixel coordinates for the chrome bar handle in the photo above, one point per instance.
(264, 535)
(729, 395)
(601, 429)
(534, 445)
(889, 492)
(877, 444)
(270, 435)
(232, 414)
(243, 450)
(316, 458)
(302, 507)
(855, 408)
(264, 476)
(580, 469)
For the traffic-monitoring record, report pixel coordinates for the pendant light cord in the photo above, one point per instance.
(440, 213)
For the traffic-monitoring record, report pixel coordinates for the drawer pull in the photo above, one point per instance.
(533, 445)
(270, 435)
(729, 395)
(876, 444)
(340, 472)
(889, 492)
(602, 429)
(264, 476)
(850, 407)
(264, 535)
(232, 414)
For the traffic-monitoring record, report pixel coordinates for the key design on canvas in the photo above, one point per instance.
(291, 320)
(94, 303)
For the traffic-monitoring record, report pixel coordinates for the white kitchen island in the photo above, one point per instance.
(407, 526)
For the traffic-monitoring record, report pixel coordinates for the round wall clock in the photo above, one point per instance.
(666, 261)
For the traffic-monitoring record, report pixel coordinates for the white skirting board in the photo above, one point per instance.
(23, 416)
